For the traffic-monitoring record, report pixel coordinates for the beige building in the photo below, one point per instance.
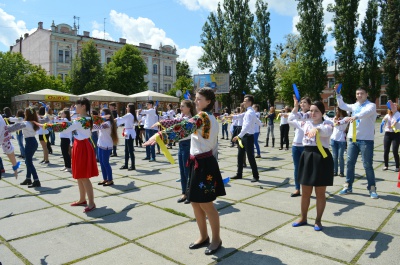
(54, 50)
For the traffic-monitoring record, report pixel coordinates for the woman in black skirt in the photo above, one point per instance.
(205, 181)
(316, 163)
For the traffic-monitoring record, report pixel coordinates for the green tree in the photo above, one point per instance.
(183, 69)
(370, 73)
(345, 19)
(265, 73)
(87, 74)
(289, 77)
(125, 73)
(183, 84)
(313, 39)
(239, 24)
(390, 40)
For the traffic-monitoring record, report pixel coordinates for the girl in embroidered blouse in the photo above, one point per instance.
(8, 148)
(65, 139)
(108, 138)
(316, 163)
(84, 164)
(205, 182)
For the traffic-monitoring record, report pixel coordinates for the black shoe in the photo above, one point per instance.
(212, 251)
(255, 180)
(236, 177)
(46, 162)
(113, 155)
(244, 165)
(199, 245)
(124, 167)
(186, 201)
(295, 194)
(132, 168)
(35, 184)
(26, 182)
(181, 199)
(146, 158)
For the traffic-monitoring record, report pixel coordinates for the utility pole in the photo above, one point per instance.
(104, 28)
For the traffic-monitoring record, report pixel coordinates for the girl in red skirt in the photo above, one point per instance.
(84, 164)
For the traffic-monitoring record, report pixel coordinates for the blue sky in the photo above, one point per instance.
(174, 22)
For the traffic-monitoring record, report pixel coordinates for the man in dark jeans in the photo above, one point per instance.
(246, 136)
(113, 108)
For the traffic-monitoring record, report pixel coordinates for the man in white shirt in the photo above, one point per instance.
(364, 115)
(151, 118)
(246, 136)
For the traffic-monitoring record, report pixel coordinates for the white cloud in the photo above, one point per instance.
(11, 29)
(192, 55)
(100, 35)
(210, 5)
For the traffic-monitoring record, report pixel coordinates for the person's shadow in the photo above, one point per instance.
(244, 257)
(348, 203)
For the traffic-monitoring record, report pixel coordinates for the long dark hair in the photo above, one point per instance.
(67, 114)
(20, 113)
(132, 111)
(30, 115)
(7, 112)
(340, 113)
(85, 102)
(42, 111)
(188, 103)
(209, 94)
(114, 134)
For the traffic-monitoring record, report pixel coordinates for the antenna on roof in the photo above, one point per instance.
(104, 28)
(75, 17)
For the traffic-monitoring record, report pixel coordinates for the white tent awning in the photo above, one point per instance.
(151, 95)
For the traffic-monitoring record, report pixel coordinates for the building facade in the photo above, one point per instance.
(55, 49)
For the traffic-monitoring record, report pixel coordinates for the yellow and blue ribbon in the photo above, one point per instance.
(240, 142)
(319, 145)
(164, 149)
(354, 132)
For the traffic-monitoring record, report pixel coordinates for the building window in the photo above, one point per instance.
(169, 87)
(385, 80)
(331, 82)
(155, 86)
(165, 87)
(67, 57)
(60, 56)
(167, 70)
(155, 67)
(108, 60)
(331, 102)
(383, 100)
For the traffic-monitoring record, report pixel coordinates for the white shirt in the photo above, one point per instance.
(284, 118)
(105, 140)
(199, 145)
(249, 122)
(298, 134)
(390, 120)
(129, 127)
(239, 118)
(81, 133)
(151, 118)
(325, 130)
(63, 134)
(27, 129)
(339, 129)
(170, 114)
(366, 116)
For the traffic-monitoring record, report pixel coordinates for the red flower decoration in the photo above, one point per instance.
(177, 128)
(198, 123)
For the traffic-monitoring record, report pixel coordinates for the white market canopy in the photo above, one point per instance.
(105, 95)
(151, 95)
(45, 95)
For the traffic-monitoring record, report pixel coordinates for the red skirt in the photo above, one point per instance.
(398, 181)
(84, 163)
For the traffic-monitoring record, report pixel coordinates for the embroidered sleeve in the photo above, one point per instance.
(325, 129)
(102, 126)
(187, 127)
(69, 126)
(170, 122)
(15, 127)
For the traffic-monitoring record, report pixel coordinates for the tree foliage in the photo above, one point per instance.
(265, 72)
(183, 84)
(345, 19)
(390, 40)
(313, 39)
(125, 73)
(87, 74)
(370, 73)
(183, 69)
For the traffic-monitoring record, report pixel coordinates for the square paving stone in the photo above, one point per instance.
(66, 244)
(20, 205)
(392, 226)
(381, 185)
(152, 193)
(8, 192)
(235, 191)
(264, 252)
(340, 242)
(251, 219)
(128, 254)
(183, 235)
(34, 222)
(121, 185)
(387, 201)
(8, 257)
(139, 221)
(383, 250)
(153, 175)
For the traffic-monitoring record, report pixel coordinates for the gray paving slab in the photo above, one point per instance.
(384, 249)
(139, 221)
(392, 226)
(183, 235)
(66, 244)
(264, 252)
(8, 192)
(382, 185)
(34, 222)
(236, 191)
(152, 193)
(251, 219)
(339, 242)
(387, 201)
(154, 175)
(127, 254)
(20, 205)
(121, 185)
(8, 257)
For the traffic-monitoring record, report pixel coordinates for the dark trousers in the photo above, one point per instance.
(248, 144)
(114, 151)
(391, 138)
(284, 128)
(129, 151)
(138, 138)
(48, 144)
(183, 157)
(150, 150)
(65, 143)
(52, 137)
(225, 130)
(30, 149)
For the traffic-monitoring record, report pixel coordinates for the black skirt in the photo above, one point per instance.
(205, 182)
(314, 170)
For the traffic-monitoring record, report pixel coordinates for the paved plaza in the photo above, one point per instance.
(138, 221)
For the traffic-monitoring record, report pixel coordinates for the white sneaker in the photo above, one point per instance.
(67, 170)
(63, 169)
(372, 192)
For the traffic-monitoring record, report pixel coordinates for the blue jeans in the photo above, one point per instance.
(150, 150)
(366, 148)
(337, 154)
(30, 149)
(296, 153)
(183, 156)
(1, 164)
(52, 137)
(20, 139)
(225, 129)
(104, 159)
(256, 135)
(95, 138)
